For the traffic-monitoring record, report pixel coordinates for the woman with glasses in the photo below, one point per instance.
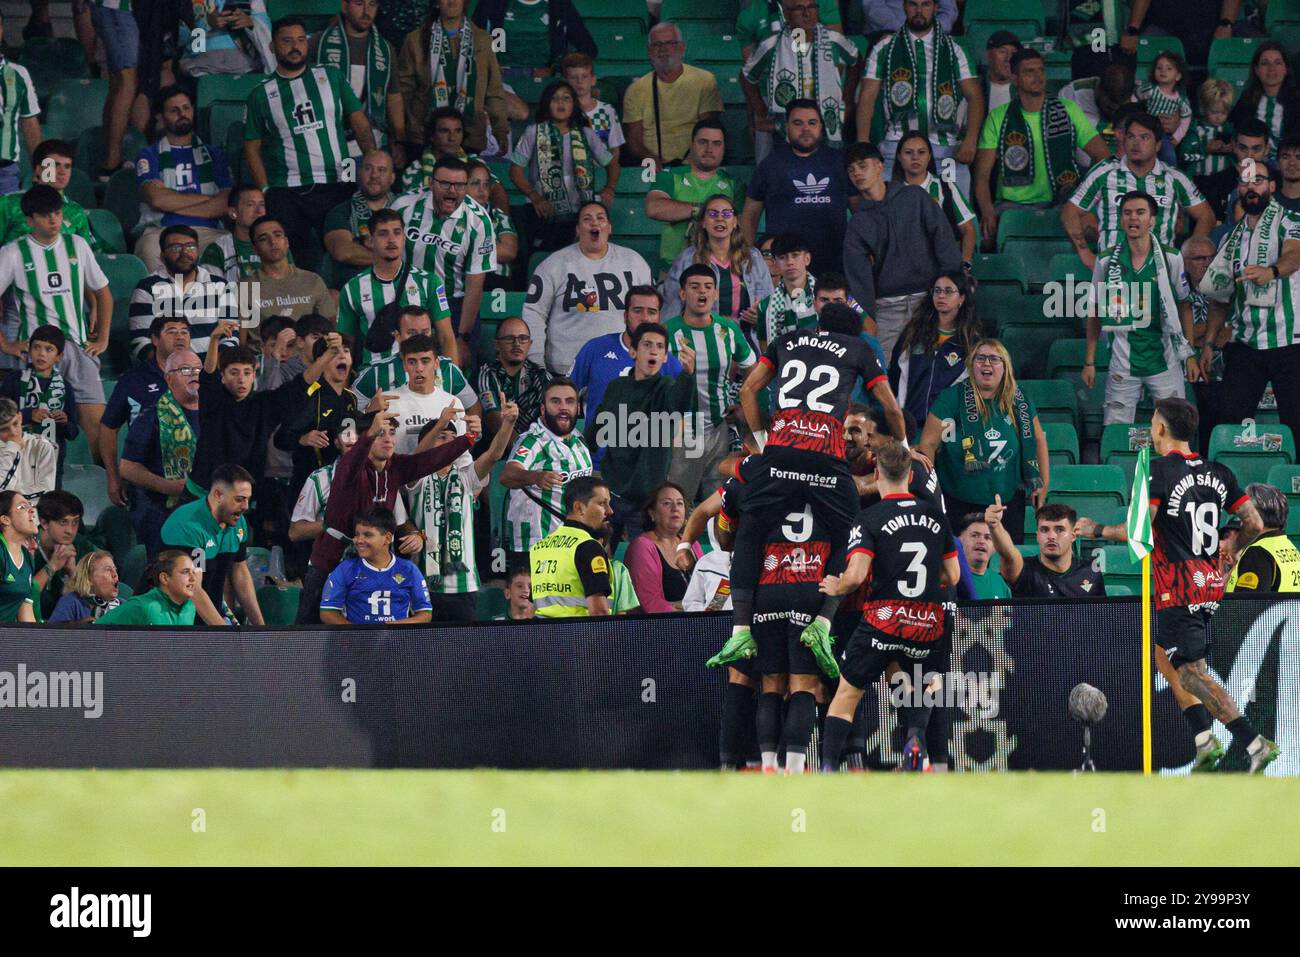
(930, 354)
(986, 443)
(717, 241)
(17, 531)
(554, 166)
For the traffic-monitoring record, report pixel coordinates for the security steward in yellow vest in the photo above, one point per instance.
(570, 568)
(1271, 563)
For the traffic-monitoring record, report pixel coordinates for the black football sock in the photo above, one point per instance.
(733, 717)
(837, 731)
(799, 721)
(1242, 730)
(768, 723)
(1198, 720)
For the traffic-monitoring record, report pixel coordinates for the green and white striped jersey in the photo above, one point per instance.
(501, 226)
(302, 123)
(451, 247)
(1273, 326)
(961, 205)
(1270, 110)
(419, 508)
(1107, 182)
(720, 349)
(540, 449)
(385, 375)
(17, 100)
(365, 294)
(50, 282)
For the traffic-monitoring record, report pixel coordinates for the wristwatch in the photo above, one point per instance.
(1132, 31)
(1277, 274)
(1224, 22)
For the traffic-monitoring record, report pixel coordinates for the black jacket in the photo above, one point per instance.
(236, 433)
(567, 29)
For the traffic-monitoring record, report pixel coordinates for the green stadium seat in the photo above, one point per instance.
(1062, 443)
(1103, 514)
(131, 567)
(1232, 52)
(1029, 224)
(1151, 47)
(1092, 408)
(728, 76)
(221, 103)
(1287, 479)
(1029, 346)
(629, 219)
(74, 106)
(124, 272)
(1085, 488)
(1116, 563)
(107, 230)
(687, 10)
(1030, 537)
(498, 304)
(490, 603)
(117, 359)
(124, 591)
(1252, 454)
(1119, 591)
(315, 13)
(122, 199)
(115, 530)
(1120, 444)
(1060, 69)
(1054, 401)
(603, 9)
(622, 45)
(51, 59)
(979, 32)
(90, 484)
(633, 182)
(1005, 11)
(1037, 255)
(78, 450)
(234, 154)
(88, 153)
(716, 38)
(740, 142)
(999, 269)
(1282, 23)
(279, 605)
(1065, 358)
(80, 189)
(1065, 265)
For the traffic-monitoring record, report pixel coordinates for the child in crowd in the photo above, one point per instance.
(41, 393)
(580, 70)
(1207, 148)
(1164, 99)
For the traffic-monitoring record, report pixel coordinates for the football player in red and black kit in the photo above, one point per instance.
(803, 458)
(1188, 498)
(906, 548)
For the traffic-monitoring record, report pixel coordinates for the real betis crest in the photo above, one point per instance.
(1017, 153)
(945, 104)
(785, 91)
(831, 116)
(900, 87)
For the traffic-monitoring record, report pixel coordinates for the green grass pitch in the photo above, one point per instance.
(512, 817)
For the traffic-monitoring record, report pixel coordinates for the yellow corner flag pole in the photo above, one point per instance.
(1146, 665)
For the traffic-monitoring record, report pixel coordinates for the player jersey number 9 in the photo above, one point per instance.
(794, 373)
(915, 585)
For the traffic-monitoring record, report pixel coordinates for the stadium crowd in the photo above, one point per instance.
(443, 311)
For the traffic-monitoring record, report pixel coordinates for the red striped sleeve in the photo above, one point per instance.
(767, 362)
(1240, 502)
(862, 551)
(951, 554)
(872, 384)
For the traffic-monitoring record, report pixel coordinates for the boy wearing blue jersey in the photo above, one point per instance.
(376, 586)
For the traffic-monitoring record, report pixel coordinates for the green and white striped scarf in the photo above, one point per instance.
(905, 75)
(177, 440)
(359, 212)
(550, 164)
(33, 395)
(787, 76)
(772, 323)
(466, 68)
(439, 503)
(1219, 281)
(1121, 313)
(333, 51)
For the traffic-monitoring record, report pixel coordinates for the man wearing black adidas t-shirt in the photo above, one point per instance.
(1188, 497)
(905, 548)
(803, 459)
(1054, 573)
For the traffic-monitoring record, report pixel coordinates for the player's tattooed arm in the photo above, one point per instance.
(865, 484)
(1252, 526)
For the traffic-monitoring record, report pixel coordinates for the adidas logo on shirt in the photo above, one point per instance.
(812, 190)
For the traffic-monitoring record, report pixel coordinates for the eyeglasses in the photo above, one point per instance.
(719, 213)
(452, 186)
(24, 507)
(177, 247)
(945, 290)
(666, 45)
(514, 340)
(987, 360)
(186, 370)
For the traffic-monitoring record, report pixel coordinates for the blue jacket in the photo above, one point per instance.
(919, 377)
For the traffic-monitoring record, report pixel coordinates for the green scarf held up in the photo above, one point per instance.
(443, 523)
(440, 77)
(550, 164)
(1016, 147)
(33, 395)
(359, 212)
(975, 445)
(177, 440)
(903, 102)
(333, 51)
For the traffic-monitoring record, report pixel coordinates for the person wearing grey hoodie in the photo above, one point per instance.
(898, 241)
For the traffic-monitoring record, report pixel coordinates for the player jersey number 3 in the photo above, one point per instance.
(823, 379)
(914, 584)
